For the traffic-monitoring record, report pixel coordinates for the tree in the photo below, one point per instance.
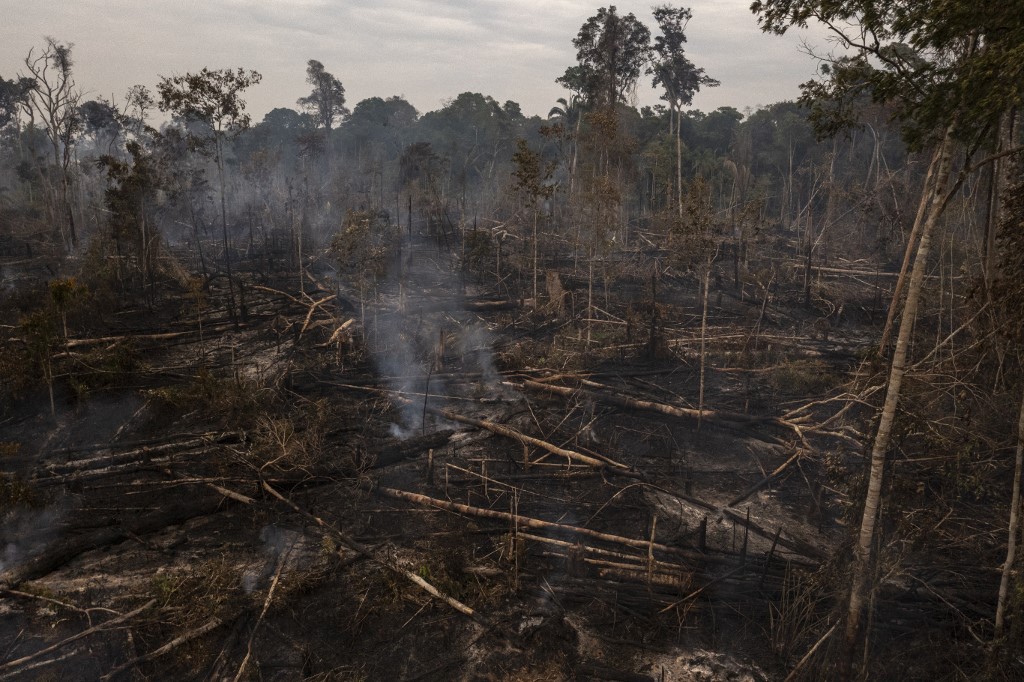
(326, 103)
(213, 97)
(138, 103)
(101, 120)
(130, 198)
(611, 51)
(533, 182)
(54, 100)
(14, 95)
(674, 72)
(569, 115)
(930, 61)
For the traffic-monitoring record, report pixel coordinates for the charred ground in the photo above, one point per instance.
(276, 498)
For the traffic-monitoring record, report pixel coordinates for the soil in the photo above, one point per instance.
(158, 487)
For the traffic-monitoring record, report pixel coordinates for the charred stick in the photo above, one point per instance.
(368, 553)
(529, 522)
(509, 432)
(209, 626)
(10, 665)
(767, 479)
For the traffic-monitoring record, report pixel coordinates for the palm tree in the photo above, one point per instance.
(569, 113)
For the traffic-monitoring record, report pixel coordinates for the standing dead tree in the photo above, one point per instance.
(54, 101)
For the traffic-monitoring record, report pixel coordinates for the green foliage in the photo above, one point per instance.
(802, 378)
(940, 63)
(671, 68)
(210, 96)
(478, 247)
(690, 232)
(533, 177)
(14, 94)
(39, 332)
(189, 598)
(326, 102)
(612, 51)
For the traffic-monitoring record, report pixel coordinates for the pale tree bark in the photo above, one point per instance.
(535, 255)
(927, 193)
(679, 160)
(224, 226)
(703, 341)
(997, 182)
(1011, 546)
(864, 548)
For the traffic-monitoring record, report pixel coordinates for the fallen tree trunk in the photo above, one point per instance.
(74, 638)
(63, 552)
(184, 638)
(368, 553)
(528, 522)
(509, 432)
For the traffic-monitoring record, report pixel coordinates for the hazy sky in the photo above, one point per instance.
(427, 51)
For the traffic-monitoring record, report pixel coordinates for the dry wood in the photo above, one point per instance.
(368, 553)
(87, 612)
(807, 656)
(312, 309)
(697, 592)
(12, 665)
(337, 335)
(528, 522)
(766, 480)
(79, 343)
(230, 494)
(183, 638)
(639, 561)
(60, 553)
(509, 432)
(143, 452)
(281, 562)
(1015, 509)
(609, 395)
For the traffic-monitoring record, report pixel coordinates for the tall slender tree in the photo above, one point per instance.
(54, 99)
(213, 97)
(674, 72)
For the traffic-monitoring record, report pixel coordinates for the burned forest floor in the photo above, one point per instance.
(427, 478)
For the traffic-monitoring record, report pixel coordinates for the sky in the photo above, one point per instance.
(426, 51)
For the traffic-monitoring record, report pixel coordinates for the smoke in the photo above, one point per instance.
(24, 533)
(278, 544)
(425, 334)
(407, 360)
(475, 346)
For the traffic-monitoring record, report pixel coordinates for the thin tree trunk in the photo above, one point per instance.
(864, 548)
(679, 161)
(927, 192)
(1011, 546)
(997, 181)
(808, 249)
(703, 343)
(590, 295)
(224, 225)
(534, 256)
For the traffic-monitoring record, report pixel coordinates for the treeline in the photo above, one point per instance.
(76, 171)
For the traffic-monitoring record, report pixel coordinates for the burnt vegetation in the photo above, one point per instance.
(363, 393)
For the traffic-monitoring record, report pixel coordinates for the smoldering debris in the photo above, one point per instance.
(25, 533)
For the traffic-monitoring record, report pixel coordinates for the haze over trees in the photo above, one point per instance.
(741, 387)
